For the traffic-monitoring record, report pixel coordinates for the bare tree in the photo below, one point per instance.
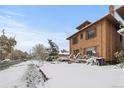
(40, 52)
(19, 55)
(6, 45)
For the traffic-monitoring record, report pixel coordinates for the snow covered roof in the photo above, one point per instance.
(63, 53)
(83, 24)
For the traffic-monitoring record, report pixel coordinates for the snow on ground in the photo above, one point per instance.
(11, 76)
(83, 76)
(63, 75)
(16, 74)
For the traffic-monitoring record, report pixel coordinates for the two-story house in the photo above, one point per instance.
(99, 38)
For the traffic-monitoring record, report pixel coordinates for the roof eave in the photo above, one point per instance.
(106, 16)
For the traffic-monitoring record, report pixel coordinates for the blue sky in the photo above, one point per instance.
(36, 24)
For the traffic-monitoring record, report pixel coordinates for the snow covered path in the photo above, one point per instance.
(81, 76)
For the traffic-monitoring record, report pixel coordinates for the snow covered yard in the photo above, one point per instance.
(83, 76)
(62, 75)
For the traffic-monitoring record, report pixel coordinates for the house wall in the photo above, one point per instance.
(107, 40)
(101, 38)
(98, 41)
(122, 42)
(113, 43)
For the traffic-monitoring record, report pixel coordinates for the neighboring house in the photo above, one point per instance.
(97, 39)
(120, 11)
(63, 54)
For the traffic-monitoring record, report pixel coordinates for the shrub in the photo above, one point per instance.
(119, 56)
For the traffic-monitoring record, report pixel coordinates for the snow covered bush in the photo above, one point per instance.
(120, 57)
(34, 77)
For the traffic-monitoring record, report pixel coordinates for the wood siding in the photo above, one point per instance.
(106, 40)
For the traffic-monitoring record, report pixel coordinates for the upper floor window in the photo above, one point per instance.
(90, 34)
(75, 40)
(81, 36)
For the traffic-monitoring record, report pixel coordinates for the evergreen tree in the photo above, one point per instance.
(53, 50)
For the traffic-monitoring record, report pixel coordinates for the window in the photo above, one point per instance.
(75, 40)
(81, 36)
(75, 52)
(90, 34)
(90, 51)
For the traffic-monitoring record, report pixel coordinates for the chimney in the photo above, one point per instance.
(111, 10)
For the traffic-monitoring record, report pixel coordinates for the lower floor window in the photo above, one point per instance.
(75, 52)
(91, 51)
